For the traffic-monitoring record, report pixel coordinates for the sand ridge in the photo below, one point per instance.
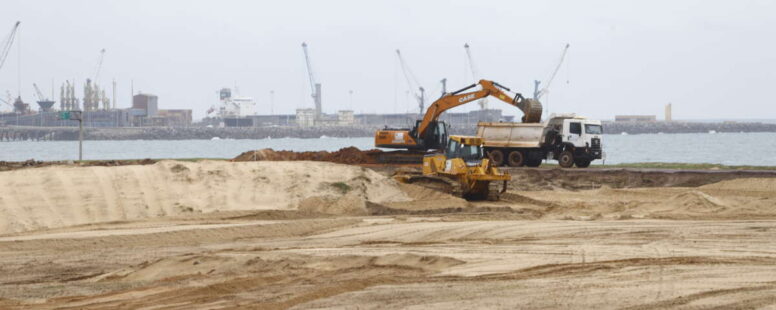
(58, 196)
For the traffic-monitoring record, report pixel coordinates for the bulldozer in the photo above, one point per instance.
(461, 170)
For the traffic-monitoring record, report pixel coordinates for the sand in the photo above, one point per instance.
(51, 197)
(298, 242)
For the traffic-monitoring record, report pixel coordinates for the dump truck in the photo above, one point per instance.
(567, 138)
(461, 170)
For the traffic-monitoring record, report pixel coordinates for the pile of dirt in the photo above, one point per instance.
(748, 198)
(348, 155)
(744, 185)
(31, 163)
(59, 196)
(585, 179)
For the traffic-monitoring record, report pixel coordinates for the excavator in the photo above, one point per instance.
(431, 134)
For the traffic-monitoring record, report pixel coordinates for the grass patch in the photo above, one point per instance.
(686, 166)
(341, 186)
(678, 166)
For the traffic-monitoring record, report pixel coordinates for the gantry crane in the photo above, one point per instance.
(314, 85)
(412, 83)
(475, 74)
(538, 93)
(5, 47)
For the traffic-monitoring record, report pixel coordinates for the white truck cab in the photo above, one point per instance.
(576, 136)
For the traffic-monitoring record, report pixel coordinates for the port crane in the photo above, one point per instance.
(5, 47)
(314, 85)
(539, 93)
(412, 83)
(99, 65)
(6, 102)
(39, 93)
(475, 74)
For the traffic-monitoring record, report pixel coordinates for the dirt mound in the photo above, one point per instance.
(348, 155)
(31, 163)
(60, 196)
(426, 199)
(584, 179)
(348, 204)
(698, 202)
(747, 198)
(750, 185)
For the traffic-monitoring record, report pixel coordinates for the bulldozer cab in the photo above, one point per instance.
(469, 149)
(435, 136)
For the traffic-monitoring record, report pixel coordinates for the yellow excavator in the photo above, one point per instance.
(431, 134)
(461, 170)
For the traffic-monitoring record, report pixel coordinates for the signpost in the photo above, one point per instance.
(76, 116)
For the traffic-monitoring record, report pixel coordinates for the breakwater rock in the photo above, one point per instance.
(685, 127)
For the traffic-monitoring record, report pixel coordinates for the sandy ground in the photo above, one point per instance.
(297, 240)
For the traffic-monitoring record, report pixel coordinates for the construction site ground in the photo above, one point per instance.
(308, 234)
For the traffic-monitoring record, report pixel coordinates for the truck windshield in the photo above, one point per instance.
(594, 129)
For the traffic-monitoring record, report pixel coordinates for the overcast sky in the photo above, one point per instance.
(711, 59)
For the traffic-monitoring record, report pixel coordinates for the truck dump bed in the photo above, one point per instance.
(517, 135)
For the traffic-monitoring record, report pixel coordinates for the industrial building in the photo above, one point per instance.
(306, 118)
(144, 112)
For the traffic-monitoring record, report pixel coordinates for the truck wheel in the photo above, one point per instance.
(516, 159)
(566, 159)
(582, 163)
(497, 157)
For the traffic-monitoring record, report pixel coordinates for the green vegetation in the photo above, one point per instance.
(677, 166)
(341, 186)
(684, 166)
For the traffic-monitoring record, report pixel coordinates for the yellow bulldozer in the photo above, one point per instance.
(461, 170)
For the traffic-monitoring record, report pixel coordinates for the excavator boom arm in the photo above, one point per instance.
(488, 88)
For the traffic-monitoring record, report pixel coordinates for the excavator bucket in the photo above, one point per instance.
(532, 110)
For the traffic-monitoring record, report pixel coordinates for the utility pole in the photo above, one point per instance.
(80, 138)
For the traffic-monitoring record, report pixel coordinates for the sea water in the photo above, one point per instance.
(718, 148)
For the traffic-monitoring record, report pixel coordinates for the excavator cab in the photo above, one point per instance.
(435, 137)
